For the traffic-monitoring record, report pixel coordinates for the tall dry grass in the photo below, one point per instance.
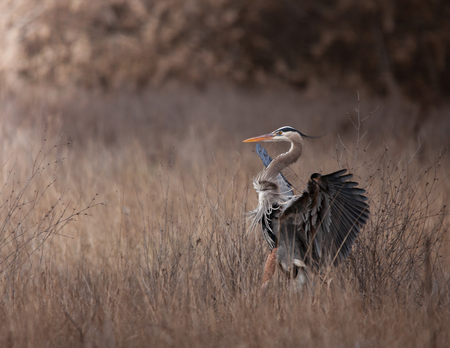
(165, 259)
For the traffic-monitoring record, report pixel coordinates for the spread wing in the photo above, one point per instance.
(323, 222)
(285, 186)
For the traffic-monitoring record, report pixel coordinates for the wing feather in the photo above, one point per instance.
(333, 210)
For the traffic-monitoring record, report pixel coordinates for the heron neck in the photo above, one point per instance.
(284, 160)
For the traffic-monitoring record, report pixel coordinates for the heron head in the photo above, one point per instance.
(285, 133)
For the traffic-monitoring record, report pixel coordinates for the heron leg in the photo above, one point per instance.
(269, 268)
(301, 277)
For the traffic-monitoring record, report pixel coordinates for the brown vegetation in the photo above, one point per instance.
(395, 48)
(165, 259)
(124, 188)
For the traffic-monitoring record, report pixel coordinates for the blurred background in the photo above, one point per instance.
(126, 183)
(393, 48)
(112, 67)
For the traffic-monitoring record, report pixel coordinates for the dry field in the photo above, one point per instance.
(123, 221)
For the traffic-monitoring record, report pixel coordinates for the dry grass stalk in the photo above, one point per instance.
(168, 262)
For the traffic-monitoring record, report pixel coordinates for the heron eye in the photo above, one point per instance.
(280, 132)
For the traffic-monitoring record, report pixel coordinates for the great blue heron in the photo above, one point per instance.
(313, 229)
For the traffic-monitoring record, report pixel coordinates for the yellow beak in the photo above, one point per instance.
(259, 138)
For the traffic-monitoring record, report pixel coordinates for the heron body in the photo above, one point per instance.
(315, 228)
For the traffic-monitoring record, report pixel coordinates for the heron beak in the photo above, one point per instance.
(264, 137)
